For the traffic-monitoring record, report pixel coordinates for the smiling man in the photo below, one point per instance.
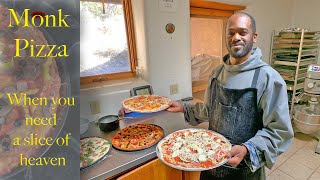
(246, 101)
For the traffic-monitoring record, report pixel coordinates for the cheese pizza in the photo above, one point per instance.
(193, 149)
(146, 103)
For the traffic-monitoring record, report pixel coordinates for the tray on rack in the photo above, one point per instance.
(298, 34)
(290, 87)
(294, 52)
(295, 41)
(288, 63)
(294, 46)
(293, 59)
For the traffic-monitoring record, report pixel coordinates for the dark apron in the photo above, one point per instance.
(234, 113)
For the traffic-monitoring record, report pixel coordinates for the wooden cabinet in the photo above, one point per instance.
(190, 175)
(156, 170)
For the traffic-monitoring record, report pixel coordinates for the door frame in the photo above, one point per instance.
(216, 10)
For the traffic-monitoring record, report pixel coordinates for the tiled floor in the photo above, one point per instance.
(299, 162)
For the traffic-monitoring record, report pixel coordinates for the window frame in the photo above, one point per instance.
(127, 8)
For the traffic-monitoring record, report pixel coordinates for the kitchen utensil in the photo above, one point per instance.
(108, 123)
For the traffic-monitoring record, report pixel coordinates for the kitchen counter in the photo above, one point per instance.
(119, 161)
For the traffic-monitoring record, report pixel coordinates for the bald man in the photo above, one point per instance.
(246, 101)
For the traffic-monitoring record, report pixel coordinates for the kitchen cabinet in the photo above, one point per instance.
(156, 170)
(153, 170)
(291, 53)
(188, 175)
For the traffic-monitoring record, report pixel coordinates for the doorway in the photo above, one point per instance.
(206, 46)
(208, 21)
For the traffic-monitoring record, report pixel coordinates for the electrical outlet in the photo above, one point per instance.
(173, 89)
(95, 107)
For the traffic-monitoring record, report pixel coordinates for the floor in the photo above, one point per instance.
(299, 162)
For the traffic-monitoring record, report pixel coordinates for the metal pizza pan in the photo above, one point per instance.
(160, 156)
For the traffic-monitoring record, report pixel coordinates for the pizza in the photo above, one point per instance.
(193, 149)
(93, 149)
(146, 103)
(30, 76)
(137, 137)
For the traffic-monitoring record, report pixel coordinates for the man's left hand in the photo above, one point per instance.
(236, 155)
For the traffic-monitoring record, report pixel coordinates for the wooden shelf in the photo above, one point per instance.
(291, 88)
(289, 63)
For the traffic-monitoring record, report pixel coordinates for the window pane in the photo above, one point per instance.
(104, 48)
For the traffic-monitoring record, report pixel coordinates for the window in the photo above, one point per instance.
(107, 40)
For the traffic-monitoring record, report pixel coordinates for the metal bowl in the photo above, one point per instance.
(305, 120)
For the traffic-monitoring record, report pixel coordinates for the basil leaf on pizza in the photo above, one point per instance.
(146, 103)
(194, 149)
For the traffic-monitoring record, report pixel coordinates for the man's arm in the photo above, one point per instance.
(277, 133)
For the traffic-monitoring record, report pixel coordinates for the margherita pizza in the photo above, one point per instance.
(146, 103)
(27, 77)
(137, 137)
(92, 150)
(193, 149)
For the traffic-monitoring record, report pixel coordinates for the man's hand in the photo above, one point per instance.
(236, 155)
(175, 107)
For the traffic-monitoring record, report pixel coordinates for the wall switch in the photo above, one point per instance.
(173, 89)
(95, 107)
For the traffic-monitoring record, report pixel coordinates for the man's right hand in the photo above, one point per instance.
(175, 107)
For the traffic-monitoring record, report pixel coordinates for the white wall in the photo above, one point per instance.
(140, 36)
(269, 15)
(306, 14)
(168, 55)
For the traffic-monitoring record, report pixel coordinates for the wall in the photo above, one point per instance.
(306, 15)
(269, 15)
(168, 56)
(140, 36)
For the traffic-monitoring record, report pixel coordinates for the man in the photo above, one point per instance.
(246, 101)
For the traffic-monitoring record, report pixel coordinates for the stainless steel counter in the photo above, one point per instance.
(119, 161)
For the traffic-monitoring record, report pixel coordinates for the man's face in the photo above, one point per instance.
(239, 36)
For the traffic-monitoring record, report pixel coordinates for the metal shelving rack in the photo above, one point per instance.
(291, 53)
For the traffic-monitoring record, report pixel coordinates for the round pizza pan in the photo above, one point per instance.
(143, 147)
(149, 111)
(159, 154)
(102, 157)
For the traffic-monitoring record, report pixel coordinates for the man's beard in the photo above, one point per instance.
(237, 53)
